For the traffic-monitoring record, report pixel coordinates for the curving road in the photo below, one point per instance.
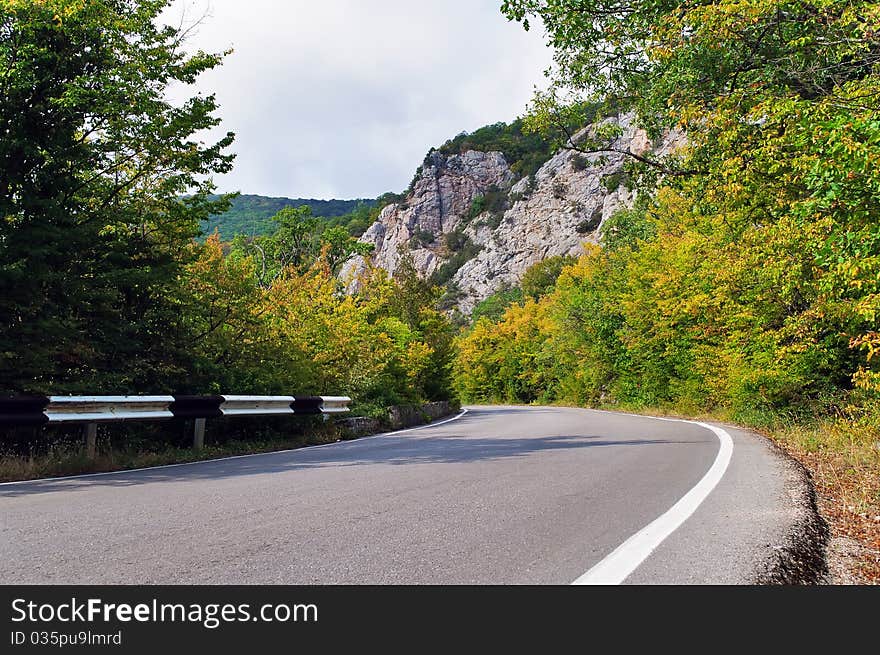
(501, 495)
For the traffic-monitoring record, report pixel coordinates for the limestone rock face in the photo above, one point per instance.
(552, 213)
(438, 201)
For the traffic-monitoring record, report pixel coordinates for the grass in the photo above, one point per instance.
(122, 448)
(68, 459)
(843, 457)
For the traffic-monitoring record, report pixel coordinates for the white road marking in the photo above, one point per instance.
(381, 434)
(627, 557)
(421, 427)
(224, 459)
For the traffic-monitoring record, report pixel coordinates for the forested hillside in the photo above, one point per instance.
(251, 215)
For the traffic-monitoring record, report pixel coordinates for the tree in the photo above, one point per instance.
(338, 246)
(228, 320)
(751, 278)
(102, 186)
(294, 243)
(414, 301)
(300, 242)
(540, 278)
(493, 307)
(414, 293)
(703, 67)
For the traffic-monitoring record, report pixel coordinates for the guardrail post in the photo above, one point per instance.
(199, 434)
(90, 437)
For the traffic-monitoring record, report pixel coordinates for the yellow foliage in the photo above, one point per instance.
(302, 334)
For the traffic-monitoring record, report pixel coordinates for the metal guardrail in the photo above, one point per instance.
(91, 410)
(334, 404)
(88, 409)
(257, 405)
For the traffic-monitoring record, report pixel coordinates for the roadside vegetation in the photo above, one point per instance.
(57, 451)
(108, 285)
(525, 151)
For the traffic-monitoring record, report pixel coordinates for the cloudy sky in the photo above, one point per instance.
(343, 98)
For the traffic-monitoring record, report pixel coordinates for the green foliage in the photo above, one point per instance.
(455, 241)
(415, 302)
(452, 293)
(357, 220)
(613, 181)
(626, 228)
(385, 345)
(421, 238)
(493, 307)
(525, 153)
(292, 243)
(101, 190)
(105, 285)
(494, 201)
(590, 223)
(388, 198)
(365, 213)
(338, 246)
(579, 163)
(460, 250)
(299, 242)
(494, 220)
(697, 66)
(503, 362)
(251, 215)
(540, 279)
(477, 207)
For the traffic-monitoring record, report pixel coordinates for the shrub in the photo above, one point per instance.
(492, 200)
(421, 238)
(539, 279)
(613, 181)
(579, 162)
(590, 224)
(493, 307)
(461, 250)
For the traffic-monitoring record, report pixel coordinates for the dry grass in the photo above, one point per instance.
(843, 456)
(70, 460)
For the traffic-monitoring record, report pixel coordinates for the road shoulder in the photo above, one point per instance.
(761, 520)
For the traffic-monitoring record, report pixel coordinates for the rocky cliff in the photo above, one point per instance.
(470, 225)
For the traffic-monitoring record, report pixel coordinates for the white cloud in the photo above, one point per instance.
(342, 98)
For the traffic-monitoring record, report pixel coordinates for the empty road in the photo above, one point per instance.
(501, 495)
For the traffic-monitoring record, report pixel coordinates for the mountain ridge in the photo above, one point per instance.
(251, 214)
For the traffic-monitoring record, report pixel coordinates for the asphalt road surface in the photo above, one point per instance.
(501, 495)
